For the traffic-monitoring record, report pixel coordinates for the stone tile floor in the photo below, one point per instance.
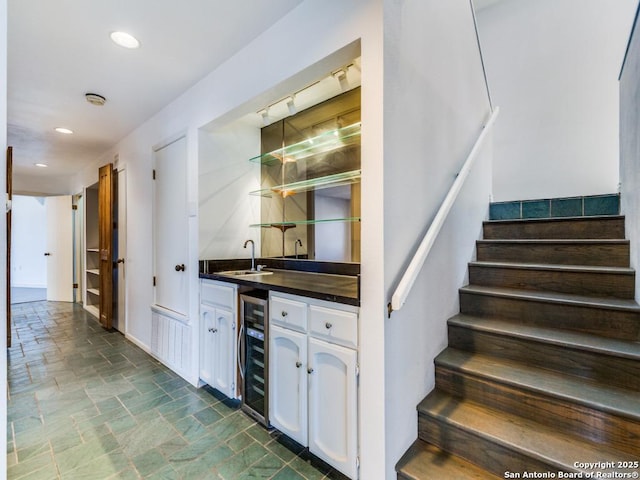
(85, 403)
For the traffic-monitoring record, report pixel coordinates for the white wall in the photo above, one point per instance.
(328, 34)
(435, 105)
(28, 242)
(225, 179)
(630, 148)
(3, 229)
(552, 67)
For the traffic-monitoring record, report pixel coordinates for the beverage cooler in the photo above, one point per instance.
(254, 354)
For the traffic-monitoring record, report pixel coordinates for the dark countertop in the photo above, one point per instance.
(323, 286)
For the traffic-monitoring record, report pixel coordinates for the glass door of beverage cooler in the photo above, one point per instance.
(255, 341)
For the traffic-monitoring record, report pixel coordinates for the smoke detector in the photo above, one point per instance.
(95, 99)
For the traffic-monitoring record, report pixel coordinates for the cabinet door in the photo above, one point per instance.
(224, 352)
(288, 382)
(333, 405)
(207, 346)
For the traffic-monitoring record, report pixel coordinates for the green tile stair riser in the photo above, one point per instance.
(536, 209)
(593, 205)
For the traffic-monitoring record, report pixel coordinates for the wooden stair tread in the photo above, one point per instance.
(566, 338)
(555, 267)
(554, 241)
(424, 461)
(557, 298)
(589, 218)
(606, 398)
(515, 433)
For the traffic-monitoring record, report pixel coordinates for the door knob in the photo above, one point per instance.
(120, 260)
(180, 268)
(47, 254)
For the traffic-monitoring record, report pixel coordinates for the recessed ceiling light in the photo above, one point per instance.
(66, 131)
(41, 165)
(125, 40)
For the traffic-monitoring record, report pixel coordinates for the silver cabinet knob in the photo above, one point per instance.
(328, 325)
(309, 371)
(180, 268)
(298, 364)
(213, 330)
(284, 313)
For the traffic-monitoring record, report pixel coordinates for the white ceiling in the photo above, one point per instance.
(60, 50)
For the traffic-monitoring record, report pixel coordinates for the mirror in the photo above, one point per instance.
(310, 183)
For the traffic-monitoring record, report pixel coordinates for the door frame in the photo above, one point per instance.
(121, 199)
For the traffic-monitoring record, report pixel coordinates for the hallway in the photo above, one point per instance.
(86, 403)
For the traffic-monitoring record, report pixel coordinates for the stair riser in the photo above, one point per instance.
(569, 417)
(606, 369)
(491, 456)
(589, 254)
(610, 228)
(620, 324)
(617, 285)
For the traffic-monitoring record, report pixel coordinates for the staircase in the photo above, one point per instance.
(542, 370)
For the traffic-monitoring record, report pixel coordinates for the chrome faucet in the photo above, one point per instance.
(253, 254)
(295, 245)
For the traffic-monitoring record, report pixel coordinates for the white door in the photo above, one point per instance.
(207, 344)
(333, 405)
(59, 250)
(121, 222)
(288, 382)
(224, 353)
(170, 225)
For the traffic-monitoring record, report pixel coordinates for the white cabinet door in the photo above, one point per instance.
(207, 346)
(333, 405)
(224, 360)
(288, 382)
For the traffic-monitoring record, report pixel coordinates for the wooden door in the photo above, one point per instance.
(171, 222)
(9, 197)
(59, 251)
(105, 243)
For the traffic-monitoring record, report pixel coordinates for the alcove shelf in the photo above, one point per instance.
(323, 143)
(335, 180)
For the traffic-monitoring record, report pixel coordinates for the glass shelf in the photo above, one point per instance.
(335, 180)
(323, 143)
(286, 225)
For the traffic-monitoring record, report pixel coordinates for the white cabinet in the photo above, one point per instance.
(333, 405)
(288, 382)
(313, 377)
(218, 336)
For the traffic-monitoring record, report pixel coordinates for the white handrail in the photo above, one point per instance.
(408, 279)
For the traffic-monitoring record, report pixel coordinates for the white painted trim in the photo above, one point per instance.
(183, 319)
(411, 273)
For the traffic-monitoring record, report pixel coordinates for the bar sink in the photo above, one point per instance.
(244, 273)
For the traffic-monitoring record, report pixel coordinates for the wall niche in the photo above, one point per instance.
(310, 182)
